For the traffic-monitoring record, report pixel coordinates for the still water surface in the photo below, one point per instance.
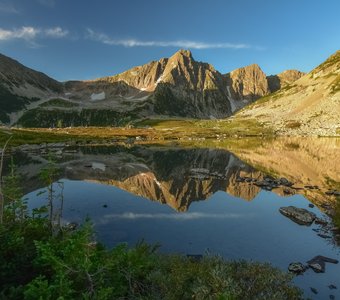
(191, 201)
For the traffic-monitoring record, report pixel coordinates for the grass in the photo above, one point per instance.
(150, 130)
(58, 103)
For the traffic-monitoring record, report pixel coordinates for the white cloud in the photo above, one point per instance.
(105, 39)
(30, 34)
(56, 32)
(26, 33)
(8, 8)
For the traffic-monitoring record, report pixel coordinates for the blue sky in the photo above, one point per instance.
(81, 39)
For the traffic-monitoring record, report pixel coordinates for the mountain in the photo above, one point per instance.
(175, 86)
(276, 82)
(248, 83)
(309, 106)
(20, 86)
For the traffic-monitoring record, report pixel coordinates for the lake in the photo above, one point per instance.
(202, 198)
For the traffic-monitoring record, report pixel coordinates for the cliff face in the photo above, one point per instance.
(248, 83)
(276, 82)
(309, 106)
(190, 88)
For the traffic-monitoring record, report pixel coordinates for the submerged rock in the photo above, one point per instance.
(324, 236)
(298, 215)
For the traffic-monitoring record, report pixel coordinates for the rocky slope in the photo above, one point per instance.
(20, 86)
(309, 106)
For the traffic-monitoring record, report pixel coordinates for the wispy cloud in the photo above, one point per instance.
(8, 8)
(105, 39)
(177, 216)
(56, 32)
(25, 33)
(30, 34)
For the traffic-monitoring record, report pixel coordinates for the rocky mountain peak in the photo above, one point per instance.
(283, 79)
(248, 83)
(183, 52)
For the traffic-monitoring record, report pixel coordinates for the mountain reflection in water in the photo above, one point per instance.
(197, 198)
(179, 176)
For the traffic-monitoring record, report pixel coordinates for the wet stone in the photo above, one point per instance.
(296, 267)
(324, 236)
(317, 268)
(320, 222)
(318, 263)
(300, 216)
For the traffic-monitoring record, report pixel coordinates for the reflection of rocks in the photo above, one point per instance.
(306, 162)
(179, 176)
(298, 215)
(172, 176)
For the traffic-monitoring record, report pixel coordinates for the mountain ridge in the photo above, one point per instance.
(309, 106)
(174, 86)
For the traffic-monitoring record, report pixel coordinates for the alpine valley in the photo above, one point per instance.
(291, 102)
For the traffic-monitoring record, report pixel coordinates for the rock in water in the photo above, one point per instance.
(317, 263)
(298, 215)
(296, 267)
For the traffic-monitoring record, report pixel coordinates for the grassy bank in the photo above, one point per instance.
(145, 130)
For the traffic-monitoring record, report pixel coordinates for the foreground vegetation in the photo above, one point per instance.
(40, 258)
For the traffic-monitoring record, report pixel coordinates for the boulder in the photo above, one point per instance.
(298, 215)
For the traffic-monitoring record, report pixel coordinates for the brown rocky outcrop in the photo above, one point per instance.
(276, 82)
(248, 83)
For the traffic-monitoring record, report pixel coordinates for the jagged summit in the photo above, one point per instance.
(183, 52)
(248, 83)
